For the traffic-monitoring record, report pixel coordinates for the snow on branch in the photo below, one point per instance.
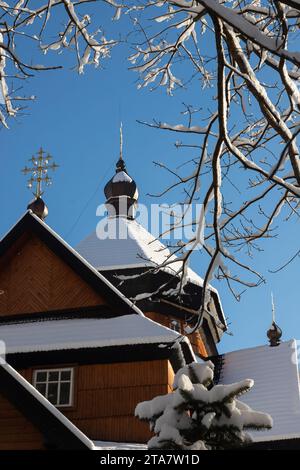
(198, 416)
(239, 23)
(25, 24)
(245, 60)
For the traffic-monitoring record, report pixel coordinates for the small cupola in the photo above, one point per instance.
(274, 334)
(121, 190)
(38, 207)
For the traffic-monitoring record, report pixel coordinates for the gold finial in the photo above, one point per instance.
(121, 141)
(40, 165)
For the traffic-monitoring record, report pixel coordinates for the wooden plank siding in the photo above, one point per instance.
(195, 338)
(17, 432)
(33, 279)
(105, 397)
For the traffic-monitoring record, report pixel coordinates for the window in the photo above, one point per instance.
(175, 325)
(56, 385)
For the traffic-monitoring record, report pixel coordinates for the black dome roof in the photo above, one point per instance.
(121, 184)
(38, 207)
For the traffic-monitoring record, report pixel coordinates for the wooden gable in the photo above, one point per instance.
(34, 279)
(41, 273)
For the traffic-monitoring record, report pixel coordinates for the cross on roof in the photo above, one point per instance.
(40, 165)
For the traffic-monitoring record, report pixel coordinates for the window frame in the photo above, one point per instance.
(59, 381)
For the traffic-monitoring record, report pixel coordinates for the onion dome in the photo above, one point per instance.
(121, 190)
(274, 334)
(38, 207)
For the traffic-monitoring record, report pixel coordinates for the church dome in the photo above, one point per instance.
(38, 207)
(121, 190)
(274, 334)
(121, 184)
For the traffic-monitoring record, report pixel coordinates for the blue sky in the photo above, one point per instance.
(76, 118)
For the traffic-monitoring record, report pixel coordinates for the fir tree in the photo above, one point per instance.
(198, 415)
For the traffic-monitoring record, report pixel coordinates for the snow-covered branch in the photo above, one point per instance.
(245, 162)
(23, 24)
(196, 416)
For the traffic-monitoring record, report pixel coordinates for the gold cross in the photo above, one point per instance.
(40, 165)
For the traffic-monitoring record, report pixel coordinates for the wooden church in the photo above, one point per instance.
(83, 340)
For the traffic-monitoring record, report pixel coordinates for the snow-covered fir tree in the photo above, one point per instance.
(198, 415)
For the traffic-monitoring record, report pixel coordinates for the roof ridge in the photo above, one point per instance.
(260, 346)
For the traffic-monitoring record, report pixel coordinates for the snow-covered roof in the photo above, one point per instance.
(106, 445)
(276, 386)
(83, 333)
(135, 247)
(121, 176)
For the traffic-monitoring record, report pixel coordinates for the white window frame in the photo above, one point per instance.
(71, 381)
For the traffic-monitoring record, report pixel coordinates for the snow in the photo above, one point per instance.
(251, 31)
(155, 407)
(48, 405)
(54, 335)
(169, 433)
(172, 415)
(121, 176)
(182, 128)
(196, 372)
(276, 390)
(138, 249)
(207, 419)
(216, 394)
(106, 445)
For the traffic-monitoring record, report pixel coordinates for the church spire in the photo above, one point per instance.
(274, 333)
(121, 190)
(121, 141)
(38, 169)
(120, 166)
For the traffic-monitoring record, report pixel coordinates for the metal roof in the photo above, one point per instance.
(276, 385)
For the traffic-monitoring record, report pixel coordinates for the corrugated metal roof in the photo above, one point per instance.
(276, 385)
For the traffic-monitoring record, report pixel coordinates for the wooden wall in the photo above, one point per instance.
(195, 338)
(16, 432)
(34, 279)
(105, 397)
